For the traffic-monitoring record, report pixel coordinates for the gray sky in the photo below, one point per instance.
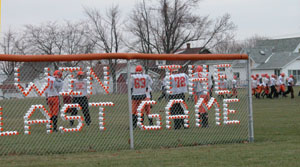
(271, 18)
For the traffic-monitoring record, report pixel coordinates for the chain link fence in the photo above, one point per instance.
(98, 117)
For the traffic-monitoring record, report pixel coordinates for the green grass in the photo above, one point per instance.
(277, 142)
(116, 137)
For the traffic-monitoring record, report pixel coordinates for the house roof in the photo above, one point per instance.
(198, 50)
(188, 50)
(274, 53)
(259, 55)
(239, 64)
(28, 72)
(279, 45)
(234, 63)
(278, 60)
(7, 87)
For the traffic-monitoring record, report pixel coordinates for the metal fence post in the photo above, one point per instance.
(129, 105)
(250, 109)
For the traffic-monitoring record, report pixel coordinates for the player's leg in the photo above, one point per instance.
(282, 89)
(175, 108)
(174, 111)
(85, 109)
(74, 111)
(134, 112)
(204, 119)
(274, 92)
(195, 98)
(147, 112)
(260, 89)
(287, 92)
(203, 113)
(163, 94)
(181, 110)
(54, 109)
(50, 103)
(235, 92)
(292, 92)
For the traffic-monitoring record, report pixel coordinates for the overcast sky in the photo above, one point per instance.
(271, 18)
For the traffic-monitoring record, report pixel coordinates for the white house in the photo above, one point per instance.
(276, 56)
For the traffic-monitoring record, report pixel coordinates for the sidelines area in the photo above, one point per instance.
(107, 111)
(277, 142)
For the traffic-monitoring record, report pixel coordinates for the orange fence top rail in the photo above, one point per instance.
(128, 56)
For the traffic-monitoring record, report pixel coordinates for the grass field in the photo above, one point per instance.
(117, 134)
(277, 143)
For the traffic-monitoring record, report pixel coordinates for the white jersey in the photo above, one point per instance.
(253, 83)
(234, 83)
(199, 86)
(281, 80)
(258, 83)
(180, 83)
(223, 84)
(148, 95)
(290, 81)
(55, 86)
(140, 83)
(273, 81)
(278, 82)
(80, 86)
(165, 81)
(266, 82)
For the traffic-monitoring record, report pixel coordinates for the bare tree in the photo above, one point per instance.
(106, 33)
(234, 46)
(76, 38)
(43, 38)
(220, 33)
(52, 38)
(11, 44)
(229, 47)
(166, 25)
(140, 27)
(251, 41)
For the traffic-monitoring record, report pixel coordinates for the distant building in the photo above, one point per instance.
(29, 72)
(239, 67)
(276, 56)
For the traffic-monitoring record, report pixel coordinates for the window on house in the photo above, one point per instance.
(277, 72)
(160, 62)
(222, 69)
